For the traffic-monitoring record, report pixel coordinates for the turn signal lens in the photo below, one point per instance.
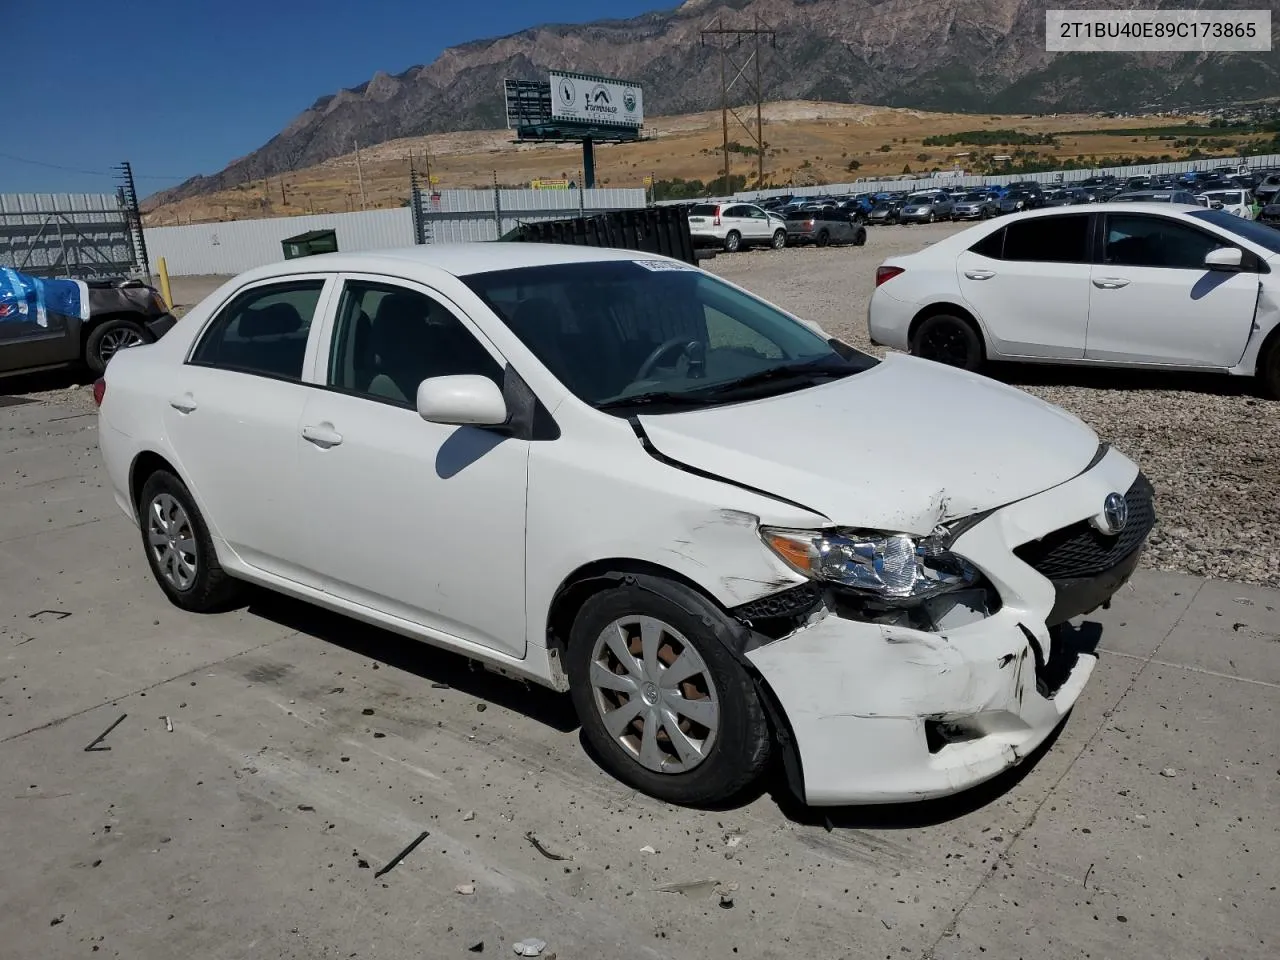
(795, 548)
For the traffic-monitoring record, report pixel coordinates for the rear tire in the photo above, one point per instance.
(728, 753)
(823, 238)
(860, 239)
(179, 549)
(108, 338)
(948, 339)
(732, 241)
(779, 239)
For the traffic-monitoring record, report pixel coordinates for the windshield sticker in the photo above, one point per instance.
(659, 265)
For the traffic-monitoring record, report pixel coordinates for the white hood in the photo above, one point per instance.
(902, 447)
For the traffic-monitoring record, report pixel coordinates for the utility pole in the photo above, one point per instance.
(359, 174)
(722, 36)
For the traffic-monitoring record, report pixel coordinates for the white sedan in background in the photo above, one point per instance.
(619, 476)
(1119, 284)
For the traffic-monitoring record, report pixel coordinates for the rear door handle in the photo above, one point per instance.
(1110, 283)
(322, 435)
(979, 274)
(183, 404)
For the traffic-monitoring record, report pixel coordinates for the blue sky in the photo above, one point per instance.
(194, 84)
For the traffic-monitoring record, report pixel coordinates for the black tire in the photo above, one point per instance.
(732, 241)
(932, 217)
(948, 339)
(1269, 369)
(743, 741)
(823, 238)
(860, 238)
(108, 337)
(779, 239)
(211, 588)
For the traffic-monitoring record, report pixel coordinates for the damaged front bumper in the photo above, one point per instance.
(880, 712)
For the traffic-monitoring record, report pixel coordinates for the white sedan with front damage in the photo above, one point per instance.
(726, 534)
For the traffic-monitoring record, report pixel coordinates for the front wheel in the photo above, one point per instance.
(664, 704)
(109, 338)
(1269, 370)
(823, 238)
(947, 339)
(732, 242)
(860, 238)
(779, 239)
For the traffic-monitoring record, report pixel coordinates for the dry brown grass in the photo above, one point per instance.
(809, 143)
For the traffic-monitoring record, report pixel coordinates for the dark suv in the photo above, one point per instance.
(121, 313)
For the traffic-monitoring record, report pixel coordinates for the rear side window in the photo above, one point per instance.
(704, 210)
(1048, 239)
(263, 331)
(991, 245)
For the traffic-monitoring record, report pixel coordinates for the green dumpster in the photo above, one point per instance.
(310, 243)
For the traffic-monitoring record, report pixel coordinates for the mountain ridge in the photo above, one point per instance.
(980, 56)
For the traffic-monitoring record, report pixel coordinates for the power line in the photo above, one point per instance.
(91, 173)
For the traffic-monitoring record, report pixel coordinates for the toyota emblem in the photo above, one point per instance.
(1115, 511)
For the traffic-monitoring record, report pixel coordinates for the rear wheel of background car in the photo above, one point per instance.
(860, 238)
(664, 704)
(1269, 370)
(823, 238)
(110, 337)
(733, 241)
(948, 339)
(932, 216)
(179, 548)
(779, 239)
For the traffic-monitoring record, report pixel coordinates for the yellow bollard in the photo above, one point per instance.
(165, 291)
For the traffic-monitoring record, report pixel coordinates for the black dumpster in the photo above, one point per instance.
(663, 230)
(310, 243)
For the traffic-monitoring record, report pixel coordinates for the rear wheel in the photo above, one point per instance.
(733, 241)
(110, 337)
(664, 704)
(179, 548)
(948, 339)
(860, 238)
(823, 238)
(779, 239)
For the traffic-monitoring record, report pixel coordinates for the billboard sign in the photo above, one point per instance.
(578, 98)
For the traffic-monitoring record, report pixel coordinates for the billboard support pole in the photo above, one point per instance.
(588, 164)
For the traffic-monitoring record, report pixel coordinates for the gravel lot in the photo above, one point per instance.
(1210, 445)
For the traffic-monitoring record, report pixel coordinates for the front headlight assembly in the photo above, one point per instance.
(897, 569)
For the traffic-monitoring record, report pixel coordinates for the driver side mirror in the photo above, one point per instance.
(463, 399)
(1224, 258)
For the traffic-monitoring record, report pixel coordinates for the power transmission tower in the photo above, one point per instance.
(724, 38)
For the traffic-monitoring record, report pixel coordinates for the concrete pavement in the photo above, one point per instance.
(308, 750)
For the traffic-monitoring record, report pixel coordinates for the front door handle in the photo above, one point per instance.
(979, 274)
(322, 435)
(183, 404)
(1110, 283)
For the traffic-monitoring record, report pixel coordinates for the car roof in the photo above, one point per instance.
(1132, 206)
(458, 259)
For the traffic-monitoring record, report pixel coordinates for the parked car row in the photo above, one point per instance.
(1128, 284)
(736, 226)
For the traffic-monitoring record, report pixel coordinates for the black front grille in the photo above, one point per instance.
(1081, 550)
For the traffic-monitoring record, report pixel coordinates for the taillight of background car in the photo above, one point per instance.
(887, 273)
(99, 391)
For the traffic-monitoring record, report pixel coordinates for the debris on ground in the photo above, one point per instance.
(531, 947)
(93, 747)
(647, 849)
(367, 712)
(481, 707)
(404, 853)
(692, 888)
(466, 889)
(542, 848)
(469, 815)
(733, 839)
(1168, 772)
(725, 892)
(477, 947)
(168, 724)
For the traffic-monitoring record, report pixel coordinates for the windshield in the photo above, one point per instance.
(921, 198)
(1263, 235)
(622, 333)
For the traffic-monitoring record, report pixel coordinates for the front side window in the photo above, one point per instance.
(388, 339)
(1133, 240)
(262, 331)
(626, 332)
(1049, 239)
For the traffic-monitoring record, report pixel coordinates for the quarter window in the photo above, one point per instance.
(1138, 241)
(389, 339)
(1048, 239)
(991, 245)
(263, 331)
